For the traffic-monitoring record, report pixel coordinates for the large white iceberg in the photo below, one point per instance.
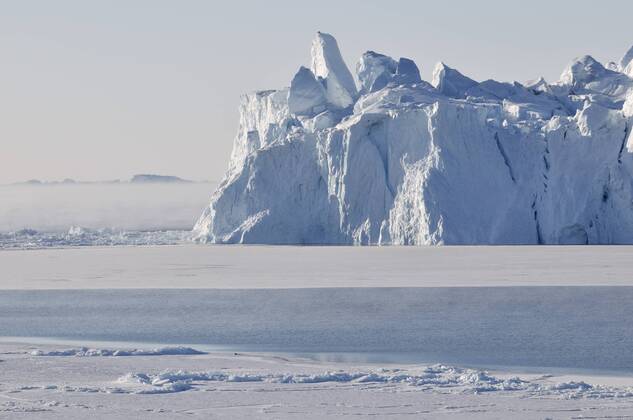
(402, 161)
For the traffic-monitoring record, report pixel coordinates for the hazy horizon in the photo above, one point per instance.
(97, 91)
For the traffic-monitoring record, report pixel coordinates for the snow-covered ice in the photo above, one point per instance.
(398, 160)
(274, 332)
(102, 330)
(251, 385)
(254, 267)
(80, 236)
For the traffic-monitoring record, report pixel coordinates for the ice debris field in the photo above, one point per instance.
(57, 215)
(79, 236)
(429, 377)
(393, 159)
(250, 385)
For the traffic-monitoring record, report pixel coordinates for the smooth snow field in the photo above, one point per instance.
(247, 267)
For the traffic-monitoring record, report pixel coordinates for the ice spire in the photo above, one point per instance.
(626, 64)
(450, 81)
(407, 71)
(306, 95)
(328, 65)
(374, 71)
(582, 70)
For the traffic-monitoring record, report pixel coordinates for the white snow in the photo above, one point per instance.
(246, 267)
(271, 386)
(402, 161)
(435, 377)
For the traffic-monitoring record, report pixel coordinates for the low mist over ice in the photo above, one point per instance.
(124, 206)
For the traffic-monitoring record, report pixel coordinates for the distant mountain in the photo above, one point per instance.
(136, 179)
(150, 178)
(66, 181)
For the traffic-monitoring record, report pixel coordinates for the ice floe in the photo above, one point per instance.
(92, 352)
(80, 236)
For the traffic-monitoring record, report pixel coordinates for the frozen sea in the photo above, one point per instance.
(580, 328)
(111, 314)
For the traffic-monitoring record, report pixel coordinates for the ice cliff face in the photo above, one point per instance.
(397, 160)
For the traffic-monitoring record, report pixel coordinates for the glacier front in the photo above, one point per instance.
(391, 159)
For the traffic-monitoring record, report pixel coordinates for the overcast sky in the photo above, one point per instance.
(104, 89)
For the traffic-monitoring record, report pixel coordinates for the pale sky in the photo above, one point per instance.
(97, 90)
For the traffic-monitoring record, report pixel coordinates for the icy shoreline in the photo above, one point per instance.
(557, 327)
(274, 386)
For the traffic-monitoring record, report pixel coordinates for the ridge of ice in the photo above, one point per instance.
(582, 70)
(436, 378)
(406, 162)
(450, 82)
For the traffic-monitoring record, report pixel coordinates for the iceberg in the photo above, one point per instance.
(396, 160)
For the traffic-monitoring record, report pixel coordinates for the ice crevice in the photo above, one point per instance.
(505, 157)
(624, 141)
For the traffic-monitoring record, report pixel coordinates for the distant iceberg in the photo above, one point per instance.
(144, 178)
(392, 159)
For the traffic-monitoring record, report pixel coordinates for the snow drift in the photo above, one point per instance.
(393, 159)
